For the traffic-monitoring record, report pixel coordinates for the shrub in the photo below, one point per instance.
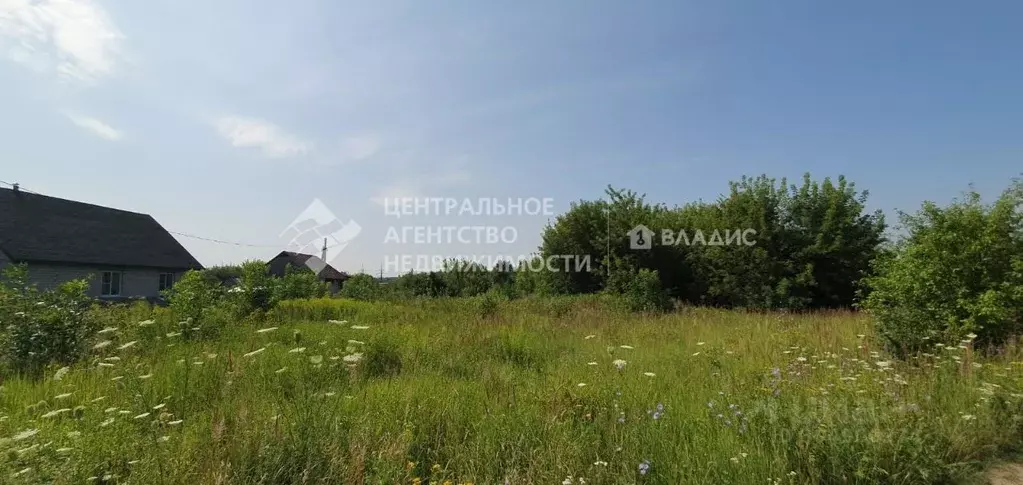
(361, 287)
(958, 272)
(644, 293)
(298, 283)
(45, 327)
(191, 300)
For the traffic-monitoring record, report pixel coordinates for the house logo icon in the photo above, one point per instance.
(641, 237)
(317, 225)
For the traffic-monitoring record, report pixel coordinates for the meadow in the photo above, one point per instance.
(534, 390)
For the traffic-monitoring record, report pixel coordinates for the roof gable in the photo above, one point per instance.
(278, 264)
(36, 227)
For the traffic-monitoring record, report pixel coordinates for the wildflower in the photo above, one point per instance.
(63, 450)
(296, 350)
(141, 416)
(649, 374)
(56, 412)
(163, 439)
(353, 358)
(281, 370)
(619, 364)
(627, 347)
(696, 354)
(175, 422)
(106, 423)
(581, 384)
(146, 323)
(255, 352)
(107, 330)
(359, 327)
(316, 359)
(969, 417)
(699, 343)
(337, 322)
(98, 399)
(63, 396)
(173, 334)
(159, 406)
(590, 336)
(644, 467)
(591, 363)
(60, 373)
(801, 359)
(22, 472)
(734, 459)
(436, 468)
(600, 463)
(145, 376)
(101, 345)
(357, 342)
(265, 330)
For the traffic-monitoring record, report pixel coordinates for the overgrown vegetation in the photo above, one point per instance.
(959, 272)
(543, 390)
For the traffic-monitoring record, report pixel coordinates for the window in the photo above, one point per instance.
(111, 283)
(166, 281)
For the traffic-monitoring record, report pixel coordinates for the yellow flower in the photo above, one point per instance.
(436, 468)
(416, 481)
(410, 465)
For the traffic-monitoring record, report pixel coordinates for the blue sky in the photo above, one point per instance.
(226, 119)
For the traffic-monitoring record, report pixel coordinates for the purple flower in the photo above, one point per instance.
(660, 407)
(644, 467)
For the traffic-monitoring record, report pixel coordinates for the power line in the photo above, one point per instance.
(221, 241)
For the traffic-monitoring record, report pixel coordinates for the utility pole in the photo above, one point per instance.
(608, 244)
(323, 253)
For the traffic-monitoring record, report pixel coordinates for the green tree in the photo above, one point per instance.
(958, 272)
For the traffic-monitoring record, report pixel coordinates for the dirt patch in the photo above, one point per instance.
(1008, 474)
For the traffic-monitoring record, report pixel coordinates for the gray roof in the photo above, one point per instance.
(326, 272)
(38, 228)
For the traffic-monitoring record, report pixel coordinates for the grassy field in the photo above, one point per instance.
(531, 391)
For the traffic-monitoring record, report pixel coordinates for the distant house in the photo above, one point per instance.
(122, 254)
(278, 265)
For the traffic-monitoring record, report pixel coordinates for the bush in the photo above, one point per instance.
(191, 301)
(644, 293)
(45, 327)
(298, 283)
(958, 274)
(361, 287)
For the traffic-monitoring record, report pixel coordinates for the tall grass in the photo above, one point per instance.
(334, 391)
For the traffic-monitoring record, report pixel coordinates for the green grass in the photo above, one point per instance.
(441, 393)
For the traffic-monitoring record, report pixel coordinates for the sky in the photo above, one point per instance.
(227, 119)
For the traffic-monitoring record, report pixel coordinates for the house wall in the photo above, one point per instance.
(143, 282)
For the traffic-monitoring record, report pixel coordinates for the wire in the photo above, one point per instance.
(221, 241)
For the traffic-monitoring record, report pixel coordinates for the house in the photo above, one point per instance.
(279, 264)
(122, 254)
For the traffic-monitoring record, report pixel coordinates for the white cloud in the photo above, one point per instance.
(245, 132)
(95, 126)
(74, 38)
(360, 147)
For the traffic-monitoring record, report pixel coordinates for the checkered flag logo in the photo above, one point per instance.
(306, 233)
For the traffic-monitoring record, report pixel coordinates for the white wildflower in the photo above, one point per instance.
(61, 373)
(255, 352)
(265, 330)
(101, 345)
(128, 345)
(619, 364)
